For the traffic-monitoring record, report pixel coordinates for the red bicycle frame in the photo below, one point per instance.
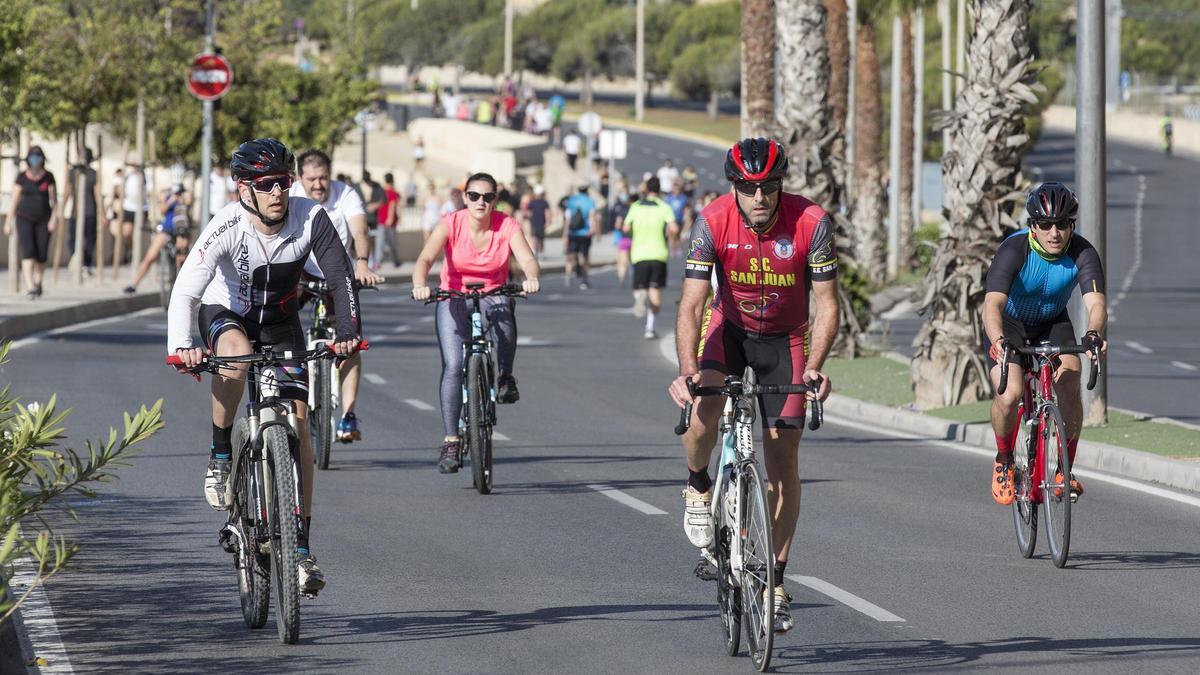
(1044, 383)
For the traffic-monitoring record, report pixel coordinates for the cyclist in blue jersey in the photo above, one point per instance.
(1028, 286)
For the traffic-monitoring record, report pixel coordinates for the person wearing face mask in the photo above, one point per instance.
(476, 242)
(32, 213)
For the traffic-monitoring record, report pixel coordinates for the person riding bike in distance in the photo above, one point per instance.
(768, 247)
(477, 241)
(242, 277)
(1028, 286)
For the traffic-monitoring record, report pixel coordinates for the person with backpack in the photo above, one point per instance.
(582, 225)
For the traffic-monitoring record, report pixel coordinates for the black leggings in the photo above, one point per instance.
(33, 236)
(454, 330)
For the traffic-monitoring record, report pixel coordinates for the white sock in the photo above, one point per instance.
(650, 319)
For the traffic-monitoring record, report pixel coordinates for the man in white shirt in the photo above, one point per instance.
(571, 145)
(349, 217)
(667, 175)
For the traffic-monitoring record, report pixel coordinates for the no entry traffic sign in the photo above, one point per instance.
(210, 77)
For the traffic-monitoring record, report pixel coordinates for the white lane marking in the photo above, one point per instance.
(38, 617)
(1144, 488)
(526, 341)
(1127, 282)
(663, 156)
(1139, 347)
(156, 326)
(901, 310)
(38, 337)
(846, 598)
(374, 378)
(632, 502)
(703, 154)
(555, 296)
(404, 328)
(1184, 366)
(377, 338)
(497, 436)
(418, 404)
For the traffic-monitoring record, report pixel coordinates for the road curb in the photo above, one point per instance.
(19, 326)
(1112, 459)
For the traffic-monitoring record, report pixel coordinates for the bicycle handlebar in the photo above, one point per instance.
(213, 363)
(1048, 351)
(734, 388)
(512, 290)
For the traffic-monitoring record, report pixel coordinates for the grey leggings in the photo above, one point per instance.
(454, 330)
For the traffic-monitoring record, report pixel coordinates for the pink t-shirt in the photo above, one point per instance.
(465, 264)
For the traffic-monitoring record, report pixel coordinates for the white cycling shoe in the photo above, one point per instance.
(216, 484)
(697, 517)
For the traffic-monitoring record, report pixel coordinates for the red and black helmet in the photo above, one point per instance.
(756, 159)
(1052, 202)
(261, 157)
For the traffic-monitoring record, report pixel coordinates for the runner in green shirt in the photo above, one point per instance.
(649, 223)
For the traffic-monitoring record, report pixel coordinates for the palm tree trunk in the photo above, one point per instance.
(868, 212)
(907, 93)
(838, 39)
(982, 178)
(758, 68)
(810, 132)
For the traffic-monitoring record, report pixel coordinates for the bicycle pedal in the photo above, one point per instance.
(228, 539)
(705, 571)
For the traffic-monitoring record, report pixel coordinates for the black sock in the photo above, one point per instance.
(222, 444)
(780, 566)
(1004, 457)
(699, 480)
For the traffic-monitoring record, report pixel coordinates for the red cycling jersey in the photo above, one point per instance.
(763, 278)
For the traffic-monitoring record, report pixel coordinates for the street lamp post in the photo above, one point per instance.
(1090, 154)
(639, 96)
(206, 142)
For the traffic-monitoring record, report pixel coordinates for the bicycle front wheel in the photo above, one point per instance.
(254, 568)
(758, 566)
(479, 432)
(284, 525)
(320, 418)
(1025, 507)
(729, 597)
(1056, 497)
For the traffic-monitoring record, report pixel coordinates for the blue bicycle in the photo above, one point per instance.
(479, 384)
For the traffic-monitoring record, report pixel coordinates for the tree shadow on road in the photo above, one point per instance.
(1015, 653)
(1134, 560)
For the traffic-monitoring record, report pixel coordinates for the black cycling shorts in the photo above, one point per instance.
(649, 274)
(1057, 330)
(292, 376)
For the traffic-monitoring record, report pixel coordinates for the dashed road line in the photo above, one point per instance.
(632, 502)
(497, 436)
(402, 328)
(1127, 282)
(374, 378)
(846, 598)
(1139, 347)
(1184, 366)
(418, 404)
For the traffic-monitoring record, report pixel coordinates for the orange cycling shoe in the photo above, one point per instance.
(1002, 483)
(1076, 486)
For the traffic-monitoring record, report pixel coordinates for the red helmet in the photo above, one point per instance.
(756, 159)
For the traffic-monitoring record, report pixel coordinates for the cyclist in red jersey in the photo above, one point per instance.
(768, 248)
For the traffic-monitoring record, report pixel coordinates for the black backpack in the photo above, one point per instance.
(577, 221)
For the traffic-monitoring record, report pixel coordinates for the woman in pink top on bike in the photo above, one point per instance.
(477, 242)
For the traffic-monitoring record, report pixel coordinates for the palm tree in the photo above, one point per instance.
(868, 210)
(810, 132)
(758, 68)
(982, 178)
(907, 94)
(838, 40)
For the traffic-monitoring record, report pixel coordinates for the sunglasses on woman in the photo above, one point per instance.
(749, 188)
(1061, 225)
(487, 197)
(269, 183)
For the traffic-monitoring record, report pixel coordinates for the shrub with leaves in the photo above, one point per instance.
(37, 473)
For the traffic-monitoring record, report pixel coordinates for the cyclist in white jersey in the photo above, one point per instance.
(345, 209)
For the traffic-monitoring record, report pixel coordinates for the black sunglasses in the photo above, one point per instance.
(1061, 225)
(268, 183)
(748, 188)
(488, 197)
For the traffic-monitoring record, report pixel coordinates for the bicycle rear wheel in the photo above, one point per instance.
(284, 515)
(758, 567)
(320, 418)
(254, 568)
(166, 275)
(1025, 508)
(1056, 499)
(479, 432)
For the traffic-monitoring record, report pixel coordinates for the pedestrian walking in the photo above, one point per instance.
(32, 212)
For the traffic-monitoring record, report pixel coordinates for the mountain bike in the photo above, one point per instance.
(741, 558)
(479, 384)
(324, 376)
(265, 497)
(1041, 462)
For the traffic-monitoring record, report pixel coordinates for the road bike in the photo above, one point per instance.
(264, 489)
(324, 376)
(479, 384)
(1041, 462)
(741, 558)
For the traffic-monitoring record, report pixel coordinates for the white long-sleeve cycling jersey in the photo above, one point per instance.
(256, 276)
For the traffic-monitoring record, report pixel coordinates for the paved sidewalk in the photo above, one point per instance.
(63, 303)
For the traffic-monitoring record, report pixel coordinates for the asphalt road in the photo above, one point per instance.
(550, 575)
